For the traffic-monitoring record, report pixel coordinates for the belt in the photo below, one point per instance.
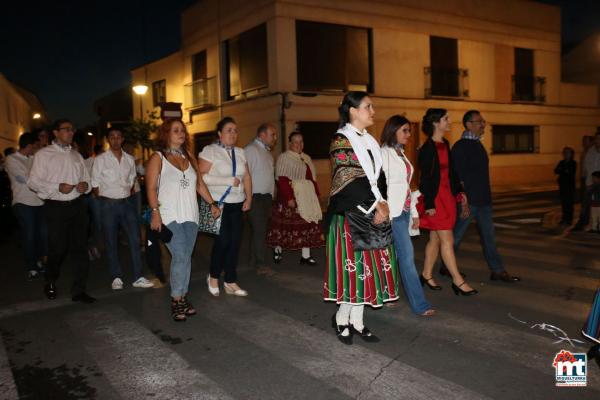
(63, 202)
(108, 199)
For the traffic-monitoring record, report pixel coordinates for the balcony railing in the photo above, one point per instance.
(446, 82)
(200, 94)
(529, 88)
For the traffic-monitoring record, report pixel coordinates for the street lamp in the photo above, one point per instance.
(37, 116)
(140, 90)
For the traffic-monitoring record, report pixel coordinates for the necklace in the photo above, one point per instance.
(184, 182)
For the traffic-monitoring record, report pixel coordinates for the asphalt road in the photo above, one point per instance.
(278, 344)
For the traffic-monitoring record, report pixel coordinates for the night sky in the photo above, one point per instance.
(71, 53)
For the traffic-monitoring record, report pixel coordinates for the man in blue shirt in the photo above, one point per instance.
(472, 167)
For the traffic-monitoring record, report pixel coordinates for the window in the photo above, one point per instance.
(333, 57)
(514, 139)
(523, 79)
(246, 62)
(159, 92)
(199, 68)
(444, 74)
(317, 137)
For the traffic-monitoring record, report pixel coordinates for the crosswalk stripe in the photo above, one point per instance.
(522, 211)
(354, 370)
(521, 343)
(537, 257)
(550, 244)
(522, 205)
(137, 364)
(8, 389)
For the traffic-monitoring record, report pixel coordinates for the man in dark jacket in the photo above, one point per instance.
(472, 167)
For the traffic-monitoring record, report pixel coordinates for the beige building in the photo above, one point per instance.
(289, 61)
(17, 107)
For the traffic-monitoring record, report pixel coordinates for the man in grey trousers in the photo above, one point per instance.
(262, 170)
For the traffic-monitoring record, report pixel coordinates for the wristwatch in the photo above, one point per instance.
(215, 203)
(154, 209)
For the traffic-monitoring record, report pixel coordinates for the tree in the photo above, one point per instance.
(141, 132)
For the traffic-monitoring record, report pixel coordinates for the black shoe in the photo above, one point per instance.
(444, 271)
(310, 261)
(504, 276)
(458, 290)
(277, 257)
(84, 298)
(425, 281)
(50, 290)
(32, 275)
(339, 329)
(366, 334)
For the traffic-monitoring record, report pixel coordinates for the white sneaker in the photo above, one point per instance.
(117, 284)
(143, 283)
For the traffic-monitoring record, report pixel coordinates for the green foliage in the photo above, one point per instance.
(141, 132)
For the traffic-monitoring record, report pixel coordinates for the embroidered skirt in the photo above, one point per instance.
(358, 277)
(288, 230)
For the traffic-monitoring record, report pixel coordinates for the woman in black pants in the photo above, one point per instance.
(565, 170)
(223, 169)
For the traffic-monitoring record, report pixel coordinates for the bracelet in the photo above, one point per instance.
(215, 203)
(154, 209)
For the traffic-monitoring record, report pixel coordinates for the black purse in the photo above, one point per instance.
(365, 235)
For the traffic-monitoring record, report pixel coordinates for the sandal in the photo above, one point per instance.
(178, 310)
(189, 308)
(428, 313)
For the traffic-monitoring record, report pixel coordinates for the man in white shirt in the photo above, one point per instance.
(591, 163)
(59, 177)
(262, 170)
(113, 178)
(26, 205)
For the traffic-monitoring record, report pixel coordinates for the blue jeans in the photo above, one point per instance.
(485, 225)
(181, 247)
(121, 213)
(406, 263)
(30, 220)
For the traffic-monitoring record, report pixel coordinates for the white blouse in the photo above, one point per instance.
(398, 183)
(220, 177)
(177, 194)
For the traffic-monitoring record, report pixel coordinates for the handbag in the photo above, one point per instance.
(365, 234)
(206, 222)
(591, 329)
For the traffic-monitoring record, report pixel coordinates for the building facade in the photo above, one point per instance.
(289, 61)
(17, 107)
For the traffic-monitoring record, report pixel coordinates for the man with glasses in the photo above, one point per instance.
(59, 177)
(472, 167)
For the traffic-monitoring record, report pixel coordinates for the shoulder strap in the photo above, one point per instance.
(159, 173)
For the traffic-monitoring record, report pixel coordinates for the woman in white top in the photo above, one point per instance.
(233, 192)
(403, 212)
(171, 187)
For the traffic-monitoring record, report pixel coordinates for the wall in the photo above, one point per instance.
(15, 114)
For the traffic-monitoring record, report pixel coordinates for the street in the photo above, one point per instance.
(278, 342)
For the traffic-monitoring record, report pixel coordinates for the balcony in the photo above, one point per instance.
(446, 82)
(200, 94)
(527, 88)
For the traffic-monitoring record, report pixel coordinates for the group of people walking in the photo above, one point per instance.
(372, 212)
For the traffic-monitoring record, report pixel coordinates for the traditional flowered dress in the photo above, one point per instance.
(354, 277)
(298, 227)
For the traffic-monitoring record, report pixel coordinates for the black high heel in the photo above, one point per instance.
(425, 281)
(277, 257)
(458, 290)
(339, 329)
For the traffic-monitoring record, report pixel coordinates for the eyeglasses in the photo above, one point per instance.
(481, 121)
(67, 129)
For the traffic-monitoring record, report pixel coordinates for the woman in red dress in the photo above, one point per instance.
(441, 191)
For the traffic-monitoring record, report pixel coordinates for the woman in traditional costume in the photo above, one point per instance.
(361, 262)
(296, 211)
